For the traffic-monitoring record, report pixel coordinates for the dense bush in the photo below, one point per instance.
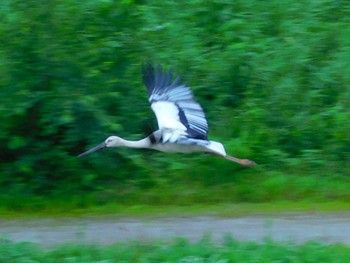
(272, 76)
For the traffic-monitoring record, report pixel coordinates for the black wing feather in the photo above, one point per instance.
(161, 88)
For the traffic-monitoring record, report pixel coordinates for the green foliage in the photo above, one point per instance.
(179, 250)
(273, 78)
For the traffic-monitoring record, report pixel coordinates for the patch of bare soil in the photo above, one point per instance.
(323, 227)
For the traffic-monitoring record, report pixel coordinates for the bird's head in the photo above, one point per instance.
(111, 141)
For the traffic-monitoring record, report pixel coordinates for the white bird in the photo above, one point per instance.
(181, 120)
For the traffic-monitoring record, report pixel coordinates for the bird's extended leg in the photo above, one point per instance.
(244, 162)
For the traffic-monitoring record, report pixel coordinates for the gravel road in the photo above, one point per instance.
(49, 232)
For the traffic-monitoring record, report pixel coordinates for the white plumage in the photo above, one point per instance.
(181, 120)
(167, 114)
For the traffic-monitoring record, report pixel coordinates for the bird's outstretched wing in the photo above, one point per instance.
(173, 104)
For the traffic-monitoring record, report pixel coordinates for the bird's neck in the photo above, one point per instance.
(143, 143)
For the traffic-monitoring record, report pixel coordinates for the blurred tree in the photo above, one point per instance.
(273, 77)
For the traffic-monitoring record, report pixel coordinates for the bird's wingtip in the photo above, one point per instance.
(147, 67)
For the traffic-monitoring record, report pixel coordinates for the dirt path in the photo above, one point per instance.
(324, 227)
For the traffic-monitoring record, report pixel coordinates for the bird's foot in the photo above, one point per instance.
(247, 162)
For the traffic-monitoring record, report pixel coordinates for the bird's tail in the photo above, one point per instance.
(216, 148)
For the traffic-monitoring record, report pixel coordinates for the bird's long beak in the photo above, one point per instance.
(95, 149)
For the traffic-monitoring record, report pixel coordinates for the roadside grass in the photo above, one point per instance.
(248, 193)
(179, 250)
(141, 210)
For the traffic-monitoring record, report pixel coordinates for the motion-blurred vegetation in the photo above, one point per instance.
(272, 76)
(179, 250)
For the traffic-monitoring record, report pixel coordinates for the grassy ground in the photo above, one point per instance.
(239, 195)
(222, 210)
(247, 195)
(179, 250)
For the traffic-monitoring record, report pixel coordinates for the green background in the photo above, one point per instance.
(272, 76)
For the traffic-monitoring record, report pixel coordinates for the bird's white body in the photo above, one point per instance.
(178, 148)
(181, 120)
(211, 147)
(185, 147)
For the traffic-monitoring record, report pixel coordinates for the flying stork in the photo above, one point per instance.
(181, 120)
